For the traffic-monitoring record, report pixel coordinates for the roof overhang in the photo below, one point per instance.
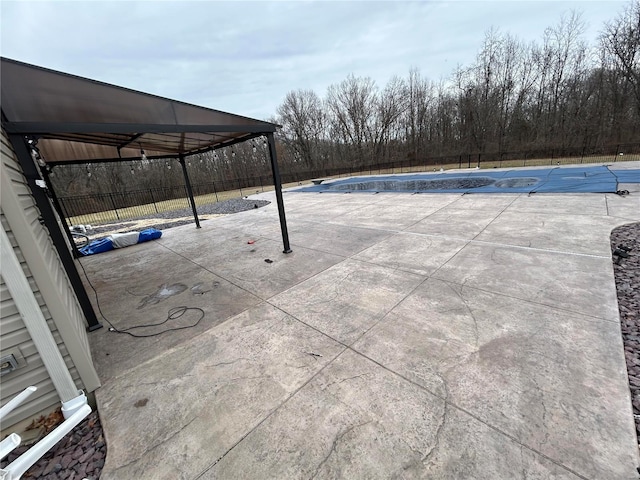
(78, 120)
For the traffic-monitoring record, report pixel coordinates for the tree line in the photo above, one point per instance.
(555, 95)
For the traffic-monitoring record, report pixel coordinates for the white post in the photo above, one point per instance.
(34, 320)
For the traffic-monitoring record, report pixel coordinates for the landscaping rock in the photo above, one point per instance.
(78, 455)
(627, 274)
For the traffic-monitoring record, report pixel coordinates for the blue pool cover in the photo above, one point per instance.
(594, 179)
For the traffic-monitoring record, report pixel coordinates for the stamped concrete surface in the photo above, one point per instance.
(407, 336)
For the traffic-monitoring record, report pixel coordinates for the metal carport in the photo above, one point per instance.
(58, 118)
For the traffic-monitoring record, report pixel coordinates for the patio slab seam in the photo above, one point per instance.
(243, 288)
(390, 234)
(506, 245)
(433, 275)
(393, 231)
(363, 205)
(625, 220)
(272, 412)
(432, 213)
(532, 302)
(496, 217)
(494, 292)
(446, 400)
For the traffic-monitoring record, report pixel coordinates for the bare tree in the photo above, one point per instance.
(390, 104)
(351, 105)
(304, 126)
(621, 41)
(419, 95)
(560, 58)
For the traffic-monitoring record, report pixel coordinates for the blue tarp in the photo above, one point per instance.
(149, 234)
(97, 246)
(105, 244)
(594, 179)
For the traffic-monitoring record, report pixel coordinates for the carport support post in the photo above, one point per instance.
(189, 190)
(277, 183)
(58, 207)
(30, 172)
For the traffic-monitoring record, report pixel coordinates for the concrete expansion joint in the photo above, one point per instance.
(447, 402)
(495, 218)
(269, 415)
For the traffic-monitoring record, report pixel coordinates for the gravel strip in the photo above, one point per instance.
(628, 285)
(83, 451)
(234, 205)
(80, 454)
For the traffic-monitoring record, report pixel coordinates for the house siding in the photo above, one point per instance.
(51, 288)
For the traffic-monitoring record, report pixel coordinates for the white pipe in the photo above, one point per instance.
(8, 407)
(72, 406)
(16, 469)
(9, 444)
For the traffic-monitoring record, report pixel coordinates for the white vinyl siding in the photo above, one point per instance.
(52, 290)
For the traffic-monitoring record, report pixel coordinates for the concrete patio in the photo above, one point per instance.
(407, 336)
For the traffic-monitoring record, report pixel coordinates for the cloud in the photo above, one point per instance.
(245, 56)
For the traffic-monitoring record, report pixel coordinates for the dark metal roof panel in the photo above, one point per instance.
(78, 118)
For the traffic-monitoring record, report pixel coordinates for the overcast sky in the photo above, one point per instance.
(243, 57)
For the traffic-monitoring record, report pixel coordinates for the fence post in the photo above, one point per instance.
(215, 192)
(188, 190)
(65, 211)
(114, 206)
(240, 187)
(153, 200)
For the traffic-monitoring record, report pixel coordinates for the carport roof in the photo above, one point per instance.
(79, 120)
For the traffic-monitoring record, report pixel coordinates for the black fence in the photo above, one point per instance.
(103, 208)
(537, 157)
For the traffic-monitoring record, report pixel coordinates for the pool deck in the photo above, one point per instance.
(439, 336)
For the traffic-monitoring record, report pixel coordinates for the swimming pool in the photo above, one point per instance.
(593, 179)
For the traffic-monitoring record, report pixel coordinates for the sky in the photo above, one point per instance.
(245, 56)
